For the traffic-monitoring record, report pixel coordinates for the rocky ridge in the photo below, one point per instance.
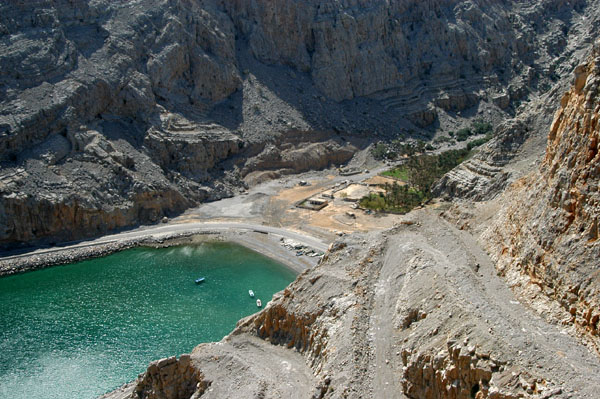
(114, 114)
(80, 140)
(483, 176)
(337, 43)
(545, 239)
(420, 311)
(414, 312)
(172, 378)
(492, 169)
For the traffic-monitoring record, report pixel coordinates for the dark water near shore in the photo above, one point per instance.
(80, 330)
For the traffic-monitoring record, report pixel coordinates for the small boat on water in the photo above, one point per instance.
(251, 293)
(199, 280)
(259, 303)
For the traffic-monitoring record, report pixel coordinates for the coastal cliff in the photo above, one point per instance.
(105, 104)
(545, 239)
(414, 312)
(116, 114)
(422, 311)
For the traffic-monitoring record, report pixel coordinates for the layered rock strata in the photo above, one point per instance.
(298, 152)
(85, 146)
(415, 312)
(356, 48)
(482, 177)
(546, 236)
(117, 113)
(172, 378)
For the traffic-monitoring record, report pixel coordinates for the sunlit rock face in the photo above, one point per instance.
(119, 113)
(546, 237)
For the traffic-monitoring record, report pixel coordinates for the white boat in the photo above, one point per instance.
(259, 303)
(251, 293)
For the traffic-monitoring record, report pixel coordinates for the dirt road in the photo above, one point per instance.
(435, 281)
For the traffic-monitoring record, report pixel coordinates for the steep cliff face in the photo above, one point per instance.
(359, 48)
(183, 98)
(69, 62)
(546, 238)
(414, 312)
(86, 184)
(172, 378)
(85, 145)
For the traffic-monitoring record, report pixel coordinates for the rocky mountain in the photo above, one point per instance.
(421, 311)
(415, 312)
(545, 239)
(119, 113)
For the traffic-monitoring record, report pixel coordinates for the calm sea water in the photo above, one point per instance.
(80, 330)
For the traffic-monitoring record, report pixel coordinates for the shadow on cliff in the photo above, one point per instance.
(383, 115)
(359, 117)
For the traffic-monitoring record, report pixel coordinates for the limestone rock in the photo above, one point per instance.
(297, 154)
(159, 81)
(502, 100)
(482, 177)
(547, 234)
(171, 378)
(340, 329)
(360, 48)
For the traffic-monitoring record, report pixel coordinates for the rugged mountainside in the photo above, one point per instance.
(414, 312)
(420, 311)
(86, 145)
(118, 113)
(415, 45)
(545, 239)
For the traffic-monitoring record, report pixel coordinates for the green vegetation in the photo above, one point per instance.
(379, 151)
(420, 172)
(398, 148)
(477, 128)
(477, 142)
(400, 173)
(397, 198)
(463, 134)
(480, 127)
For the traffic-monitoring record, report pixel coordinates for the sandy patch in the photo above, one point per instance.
(298, 192)
(382, 180)
(337, 216)
(355, 192)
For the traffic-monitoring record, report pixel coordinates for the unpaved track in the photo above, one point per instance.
(257, 211)
(386, 377)
(253, 367)
(173, 229)
(488, 297)
(417, 288)
(476, 295)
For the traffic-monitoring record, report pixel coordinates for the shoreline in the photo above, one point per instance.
(262, 241)
(223, 219)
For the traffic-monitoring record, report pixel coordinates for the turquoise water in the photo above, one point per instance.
(80, 330)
